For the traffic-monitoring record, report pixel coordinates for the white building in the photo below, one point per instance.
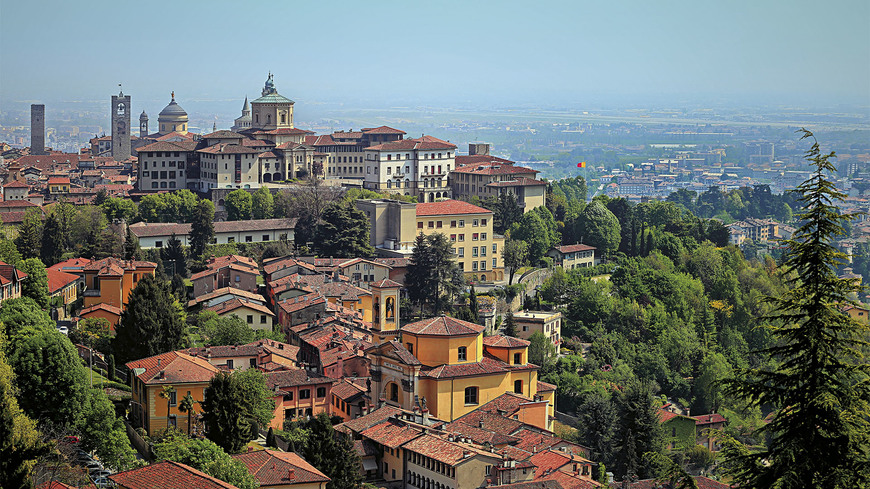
(157, 235)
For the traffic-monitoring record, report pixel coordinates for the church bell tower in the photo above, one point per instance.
(120, 127)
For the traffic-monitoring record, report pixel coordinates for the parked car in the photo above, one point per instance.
(63, 329)
(93, 466)
(103, 482)
(71, 439)
(97, 474)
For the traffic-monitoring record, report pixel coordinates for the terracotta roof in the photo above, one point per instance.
(267, 154)
(14, 217)
(17, 203)
(545, 387)
(384, 284)
(301, 302)
(142, 229)
(470, 159)
(397, 349)
(665, 416)
(508, 402)
(167, 475)
(9, 274)
(491, 168)
(443, 326)
(282, 263)
(575, 247)
(518, 182)
(550, 460)
(360, 424)
(381, 130)
(223, 134)
(101, 306)
(58, 280)
(274, 468)
(502, 341)
(226, 148)
(479, 434)
(287, 131)
(487, 365)
(449, 207)
(61, 485)
(494, 422)
(365, 448)
(538, 484)
(347, 389)
(570, 481)
(391, 433)
(233, 304)
(168, 146)
(709, 419)
(112, 265)
(251, 296)
(16, 184)
(214, 270)
(58, 181)
(534, 441)
(176, 367)
(442, 450)
(292, 378)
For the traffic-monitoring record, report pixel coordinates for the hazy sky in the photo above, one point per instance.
(498, 52)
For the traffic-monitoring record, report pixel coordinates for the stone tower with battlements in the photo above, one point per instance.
(37, 129)
(120, 127)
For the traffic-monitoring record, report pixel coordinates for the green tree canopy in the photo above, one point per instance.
(598, 227)
(541, 350)
(152, 323)
(202, 455)
(258, 402)
(433, 277)
(515, 254)
(262, 204)
(343, 232)
(29, 239)
(223, 412)
(202, 228)
(226, 330)
(818, 383)
(332, 453)
(35, 285)
(238, 204)
(173, 256)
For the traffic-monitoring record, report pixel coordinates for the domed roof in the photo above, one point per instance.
(173, 109)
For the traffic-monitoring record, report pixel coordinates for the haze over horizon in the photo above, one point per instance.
(453, 53)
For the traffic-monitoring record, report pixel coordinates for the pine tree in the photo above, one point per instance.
(224, 422)
(270, 439)
(152, 323)
(131, 246)
(202, 228)
(174, 254)
(433, 277)
(343, 232)
(639, 430)
(510, 325)
(332, 454)
(820, 429)
(473, 307)
(29, 239)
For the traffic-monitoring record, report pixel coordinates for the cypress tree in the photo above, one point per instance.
(224, 421)
(472, 306)
(153, 322)
(818, 383)
(510, 325)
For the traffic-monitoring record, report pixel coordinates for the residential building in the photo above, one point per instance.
(268, 355)
(108, 312)
(445, 365)
(344, 150)
(282, 470)
(416, 167)
(298, 394)
(224, 294)
(678, 429)
(706, 427)
(236, 271)
(15, 190)
(111, 280)
(157, 235)
(167, 475)
(573, 256)
(187, 374)
(10, 281)
(350, 398)
(482, 176)
(64, 289)
(256, 316)
(547, 323)
(165, 165)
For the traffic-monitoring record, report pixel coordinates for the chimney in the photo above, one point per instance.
(480, 424)
(291, 474)
(426, 416)
(158, 362)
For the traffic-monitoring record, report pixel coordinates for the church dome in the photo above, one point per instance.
(173, 109)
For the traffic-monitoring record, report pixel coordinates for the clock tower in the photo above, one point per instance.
(120, 127)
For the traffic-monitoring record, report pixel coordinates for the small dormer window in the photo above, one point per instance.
(463, 354)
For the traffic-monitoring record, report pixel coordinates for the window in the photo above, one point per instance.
(483, 251)
(453, 237)
(438, 225)
(265, 237)
(249, 239)
(461, 223)
(173, 398)
(470, 395)
(158, 244)
(420, 225)
(494, 248)
(305, 394)
(483, 236)
(475, 237)
(494, 264)
(518, 358)
(463, 353)
(394, 392)
(453, 224)
(288, 396)
(461, 252)
(475, 222)
(461, 237)
(474, 251)
(474, 266)
(410, 348)
(431, 224)
(518, 385)
(230, 364)
(483, 264)
(483, 222)
(321, 392)
(262, 319)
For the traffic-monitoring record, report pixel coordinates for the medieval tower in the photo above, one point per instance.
(120, 127)
(37, 129)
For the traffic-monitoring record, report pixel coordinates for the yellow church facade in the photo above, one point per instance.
(448, 367)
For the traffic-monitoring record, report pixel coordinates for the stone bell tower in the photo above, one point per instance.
(120, 127)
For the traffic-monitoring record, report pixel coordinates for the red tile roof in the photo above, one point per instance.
(16, 184)
(549, 460)
(293, 378)
(226, 148)
(443, 326)
(72, 263)
(575, 247)
(487, 365)
(449, 207)
(518, 182)
(251, 296)
(385, 284)
(442, 450)
(176, 367)
(425, 143)
(101, 306)
(17, 203)
(391, 433)
(381, 130)
(168, 146)
(274, 468)
(359, 425)
(502, 341)
(223, 134)
(233, 304)
(705, 419)
(58, 280)
(471, 159)
(58, 181)
(301, 302)
(545, 387)
(168, 475)
(287, 131)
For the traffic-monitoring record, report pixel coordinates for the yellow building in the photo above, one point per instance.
(547, 323)
(395, 226)
(861, 314)
(110, 280)
(183, 373)
(448, 367)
